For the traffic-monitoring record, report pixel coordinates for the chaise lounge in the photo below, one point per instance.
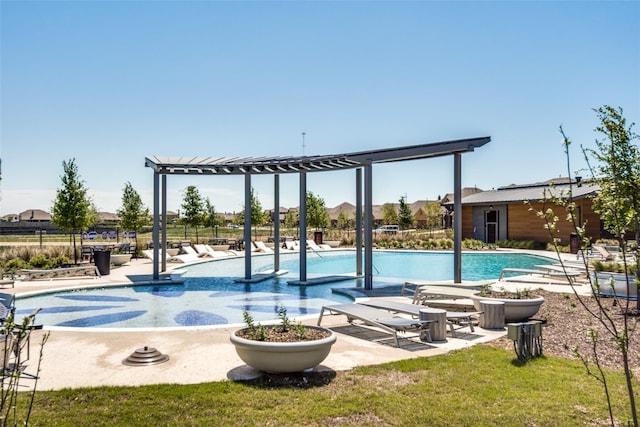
(454, 318)
(380, 319)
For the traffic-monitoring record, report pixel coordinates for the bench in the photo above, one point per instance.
(58, 273)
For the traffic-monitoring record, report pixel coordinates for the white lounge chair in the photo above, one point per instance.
(380, 319)
(291, 245)
(569, 275)
(208, 251)
(315, 247)
(261, 247)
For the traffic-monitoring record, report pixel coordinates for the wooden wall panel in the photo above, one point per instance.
(524, 224)
(467, 222)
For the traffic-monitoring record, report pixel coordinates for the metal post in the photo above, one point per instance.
(359, 221)
(247, 226)
(303, 226)
(368, 225)
(164, 223)
(276, 222)
(457, 218)
(155, 235)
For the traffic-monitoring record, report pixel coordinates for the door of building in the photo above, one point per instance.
(491, 226)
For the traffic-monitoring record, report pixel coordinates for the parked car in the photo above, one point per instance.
(387, 229)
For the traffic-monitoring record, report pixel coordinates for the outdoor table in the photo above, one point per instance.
(492, 316)
(438, 328)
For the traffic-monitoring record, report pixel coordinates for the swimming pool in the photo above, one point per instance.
(209, 296)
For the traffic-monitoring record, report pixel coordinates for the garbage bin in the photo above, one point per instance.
(102, 260)
(574, 243)
(317, 237)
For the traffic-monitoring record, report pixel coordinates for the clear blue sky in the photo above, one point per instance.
(111, 82)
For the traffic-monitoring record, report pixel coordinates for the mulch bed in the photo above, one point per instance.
(566, 325)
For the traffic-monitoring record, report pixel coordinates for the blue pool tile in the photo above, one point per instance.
(101, 298)
(199, 318)
(103, 319)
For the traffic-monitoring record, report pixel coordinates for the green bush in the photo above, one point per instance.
(14, 264)
(39, 261)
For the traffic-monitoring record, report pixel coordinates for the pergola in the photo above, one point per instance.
(360, 161)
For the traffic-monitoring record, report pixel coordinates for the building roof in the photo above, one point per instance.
(530, 192)
(34, 215)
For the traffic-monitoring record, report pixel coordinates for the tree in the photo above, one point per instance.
(192, 207)
(405, 217)
(389, 214)
(317, 215)
(211, 219)
(258, 216)
(291, 219)
(134, 215)
(343, 221)
(72, 207)
(618, 175)
(433, 215)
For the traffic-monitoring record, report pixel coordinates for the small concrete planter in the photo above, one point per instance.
(119, 259)
(515, 310)
(283, 357)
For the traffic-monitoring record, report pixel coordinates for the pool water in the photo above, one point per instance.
(209, 296)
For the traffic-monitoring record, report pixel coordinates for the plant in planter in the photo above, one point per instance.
(282, 348)
(519, 306)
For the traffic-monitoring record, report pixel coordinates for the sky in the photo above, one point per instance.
(109, 83)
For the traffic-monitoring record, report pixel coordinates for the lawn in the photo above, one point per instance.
(479, 386)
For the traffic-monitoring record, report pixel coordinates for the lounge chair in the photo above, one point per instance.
(569, 275)
(380, 319)
(607, 255)
(315, 247)
(291, 245)
(185, 258)
(454, 318)
(208, 251)
(191, 252)
(427, 292)
(261, 247)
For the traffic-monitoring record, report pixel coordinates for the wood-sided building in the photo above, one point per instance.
(508, 213)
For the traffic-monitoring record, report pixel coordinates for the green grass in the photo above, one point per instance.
(474, 387)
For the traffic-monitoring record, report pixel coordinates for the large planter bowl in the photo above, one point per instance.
(119, 259)
(515, 310)
(283, 357)
(615, 284)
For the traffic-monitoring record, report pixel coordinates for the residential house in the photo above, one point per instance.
(34, 215)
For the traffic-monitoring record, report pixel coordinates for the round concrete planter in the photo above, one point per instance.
(119, 259)
(283, 357)
(515, 310)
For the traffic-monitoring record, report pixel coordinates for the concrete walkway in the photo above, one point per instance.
(82, 358)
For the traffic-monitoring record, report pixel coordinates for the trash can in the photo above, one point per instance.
(102, 260)
(574, 243)
(317, 237)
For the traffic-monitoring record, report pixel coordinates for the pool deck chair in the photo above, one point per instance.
(380, 319)
(454, 318)
(570, 276)
(261, 247)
